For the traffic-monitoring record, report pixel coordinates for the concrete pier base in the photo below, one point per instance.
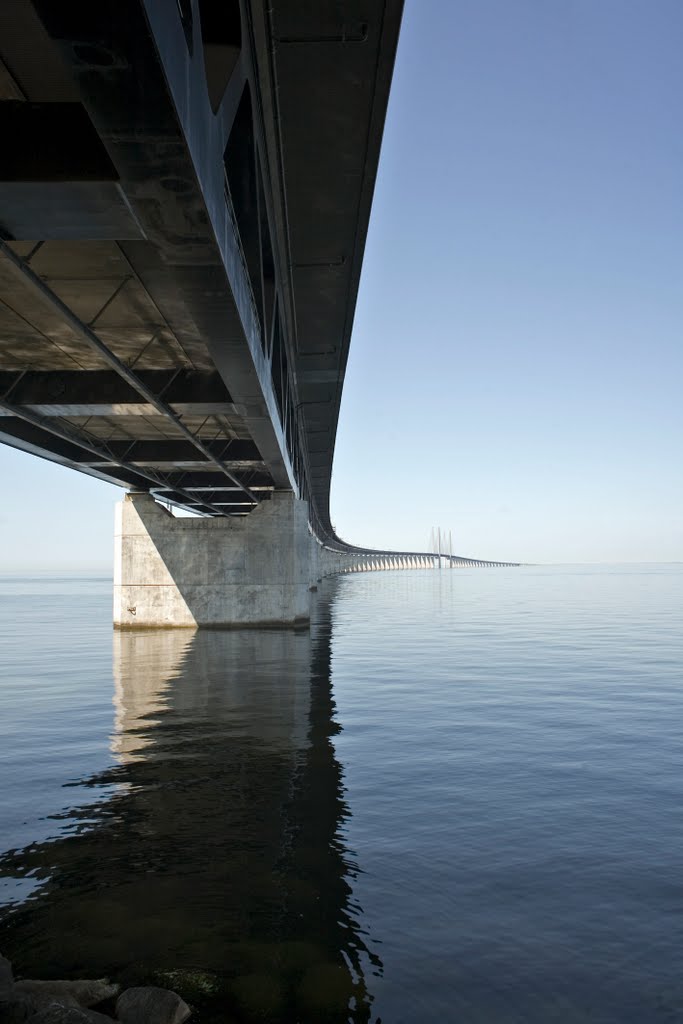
(172, 572)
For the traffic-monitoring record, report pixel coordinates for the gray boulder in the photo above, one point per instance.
(15, 1009)
(150, 1005)
(83, 992)
(55, 1013)
(6, 979)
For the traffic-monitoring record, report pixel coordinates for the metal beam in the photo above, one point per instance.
(237, 454)
(216, 500)
(193, 480)
(37, 285)
(50, 427)
(105, 393)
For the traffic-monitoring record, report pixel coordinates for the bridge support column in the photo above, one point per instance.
(254, 570)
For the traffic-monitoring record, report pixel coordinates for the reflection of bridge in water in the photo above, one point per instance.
(218, 865)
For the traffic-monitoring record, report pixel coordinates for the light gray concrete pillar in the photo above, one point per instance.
(252, 570)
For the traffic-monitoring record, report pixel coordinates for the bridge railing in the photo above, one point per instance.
(232, 217)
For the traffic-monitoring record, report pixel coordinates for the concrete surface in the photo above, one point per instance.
(172, 572)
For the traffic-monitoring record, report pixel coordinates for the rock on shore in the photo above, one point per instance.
(150, 1005)
(32, 1001)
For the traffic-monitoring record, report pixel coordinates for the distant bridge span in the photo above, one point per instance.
(366, 562)
(185, 188)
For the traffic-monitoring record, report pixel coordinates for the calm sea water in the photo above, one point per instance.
(458, 797)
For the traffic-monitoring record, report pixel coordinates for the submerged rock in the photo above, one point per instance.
(326, 989)
(287, 958)
(190, 983)
(85, 992)
(151, 1005)
(260, 996)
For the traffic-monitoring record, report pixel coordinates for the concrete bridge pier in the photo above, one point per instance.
(223, 571)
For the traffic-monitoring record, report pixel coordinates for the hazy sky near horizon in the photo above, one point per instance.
(516, 363)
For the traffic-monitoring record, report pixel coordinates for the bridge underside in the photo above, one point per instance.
(185, 189)
(62, 399)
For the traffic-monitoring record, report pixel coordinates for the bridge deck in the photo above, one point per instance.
(184, 198)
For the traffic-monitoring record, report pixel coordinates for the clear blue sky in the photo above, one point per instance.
(516, 365)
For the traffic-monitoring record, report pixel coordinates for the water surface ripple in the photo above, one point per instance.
(459, 797)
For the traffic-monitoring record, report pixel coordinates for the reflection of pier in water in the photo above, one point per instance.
(220, 852)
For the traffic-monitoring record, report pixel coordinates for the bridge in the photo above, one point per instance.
(185, 188)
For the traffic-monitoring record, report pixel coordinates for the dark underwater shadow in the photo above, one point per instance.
(218, 867)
